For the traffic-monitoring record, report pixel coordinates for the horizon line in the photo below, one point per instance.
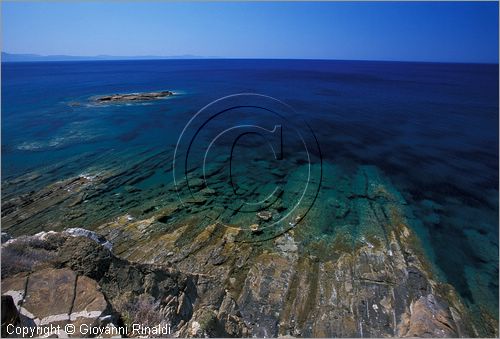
(196, 57)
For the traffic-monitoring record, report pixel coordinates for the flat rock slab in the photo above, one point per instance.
(57, 297)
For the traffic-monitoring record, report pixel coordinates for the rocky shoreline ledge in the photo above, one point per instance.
(146, 96)
(73, 277)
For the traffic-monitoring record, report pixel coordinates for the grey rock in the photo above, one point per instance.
(81, 232)
(5, 237)
(133, 97)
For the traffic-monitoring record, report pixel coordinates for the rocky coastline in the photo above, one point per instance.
(74, 278)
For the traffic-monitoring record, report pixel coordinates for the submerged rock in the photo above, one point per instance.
(29, 211)
(265, 215)
(255, 228)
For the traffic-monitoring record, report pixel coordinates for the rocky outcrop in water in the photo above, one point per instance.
(147, 96)
(66, 193)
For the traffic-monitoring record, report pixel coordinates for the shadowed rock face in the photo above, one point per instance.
(133, 97)
(9, 313)
(367, 278)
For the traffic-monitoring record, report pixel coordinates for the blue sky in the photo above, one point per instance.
(411, 31)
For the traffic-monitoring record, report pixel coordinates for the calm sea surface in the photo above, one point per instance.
(431, 128)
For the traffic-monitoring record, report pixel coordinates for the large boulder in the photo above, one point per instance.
(85, 256)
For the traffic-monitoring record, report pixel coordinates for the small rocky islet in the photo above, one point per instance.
(132, 97)
(353, 266)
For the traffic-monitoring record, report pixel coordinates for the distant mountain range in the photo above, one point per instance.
(10, 57)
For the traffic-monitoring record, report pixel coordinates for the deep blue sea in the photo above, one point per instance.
(432, 128)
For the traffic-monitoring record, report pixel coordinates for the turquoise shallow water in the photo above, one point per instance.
(431, 129)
